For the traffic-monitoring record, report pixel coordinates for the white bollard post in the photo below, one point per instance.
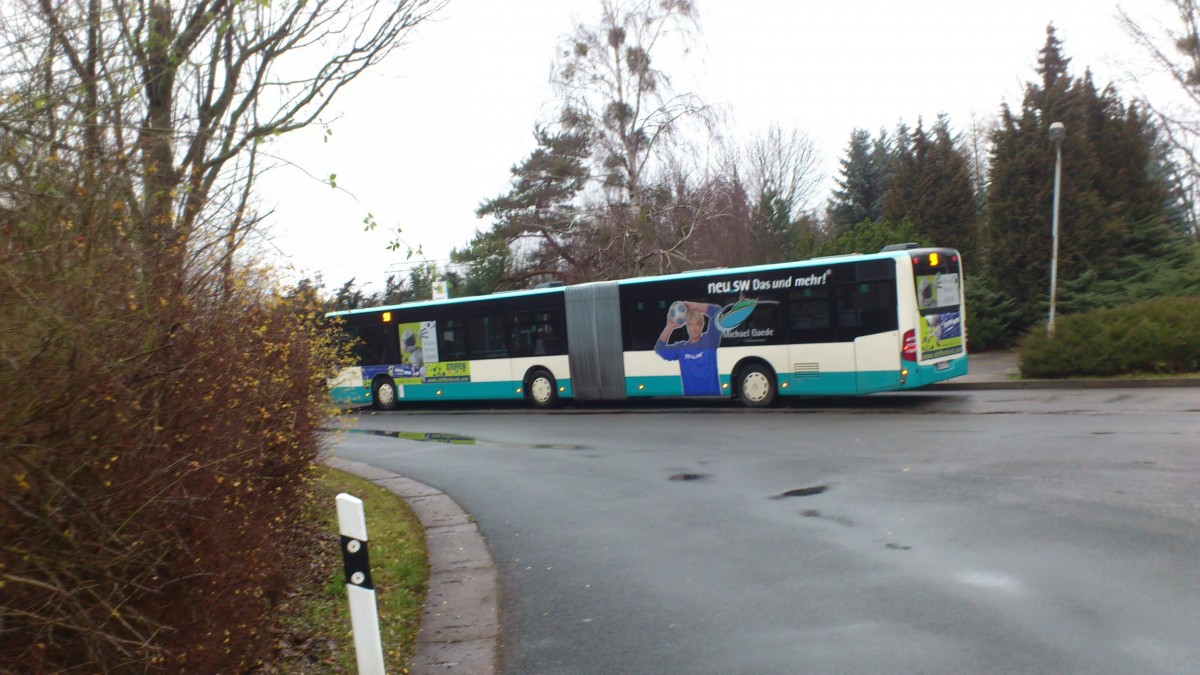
(364, 618)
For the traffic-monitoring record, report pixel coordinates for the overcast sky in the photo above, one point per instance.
(420, 141)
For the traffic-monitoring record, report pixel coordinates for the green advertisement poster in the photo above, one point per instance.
(419, 357)
(411, 369)
(448, 371)
(941, 335)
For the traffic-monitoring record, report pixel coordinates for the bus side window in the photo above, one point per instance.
(520, 334)
(452, 345)
(809, 318)
(866, 308)
(533, 334)
(485, 338)
(645, 319)
(546, 341)
(376, 345)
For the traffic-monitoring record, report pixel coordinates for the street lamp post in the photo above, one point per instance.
(1057, 132)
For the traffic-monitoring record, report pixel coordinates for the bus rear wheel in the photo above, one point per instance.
(383, 394)
(756, 386)
(541, 389)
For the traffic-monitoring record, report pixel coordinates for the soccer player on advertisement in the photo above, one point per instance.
(697, 355)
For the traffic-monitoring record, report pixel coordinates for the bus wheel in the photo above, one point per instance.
(756, 386)
(541, 389)
(383, 394)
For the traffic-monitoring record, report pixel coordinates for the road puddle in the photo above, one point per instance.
(459, 439)
(802, 492)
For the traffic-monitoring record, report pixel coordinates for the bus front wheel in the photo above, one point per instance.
(756, 386)
(383, 394)
(541, 389)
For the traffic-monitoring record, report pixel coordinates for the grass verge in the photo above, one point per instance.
(314, 623)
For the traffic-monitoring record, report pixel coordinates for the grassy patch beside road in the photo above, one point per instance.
(315, 634)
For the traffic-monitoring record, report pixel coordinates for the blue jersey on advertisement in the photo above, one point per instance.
(697, 360)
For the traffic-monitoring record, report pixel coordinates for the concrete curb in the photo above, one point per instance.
(1068, 384)
(460, 625)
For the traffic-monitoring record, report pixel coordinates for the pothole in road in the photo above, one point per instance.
(423, 437)
(688, 476)
(839, 520)
(802, 492)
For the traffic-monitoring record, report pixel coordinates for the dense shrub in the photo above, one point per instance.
(1159, 336)
(152, 454)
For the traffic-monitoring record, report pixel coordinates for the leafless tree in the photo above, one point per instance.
(173, 101)
(611, 73)
(1175, 50)
(786, 165)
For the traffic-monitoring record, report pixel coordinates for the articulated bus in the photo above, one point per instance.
(844, 325)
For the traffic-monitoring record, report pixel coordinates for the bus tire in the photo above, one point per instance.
(541, 389)
(383, 393)
(756, 386)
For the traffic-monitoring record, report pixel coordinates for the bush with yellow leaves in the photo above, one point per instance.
(154, 451)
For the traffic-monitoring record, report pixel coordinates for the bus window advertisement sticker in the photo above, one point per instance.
(941, 335)
(418, 347)
(427, 337)
(937, 290)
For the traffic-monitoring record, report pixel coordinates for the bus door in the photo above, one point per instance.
(866, 313)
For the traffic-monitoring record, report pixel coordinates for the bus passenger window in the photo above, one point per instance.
(809, 318)
(866, 309)
(547, 340)
(452, 345)
(485, 338)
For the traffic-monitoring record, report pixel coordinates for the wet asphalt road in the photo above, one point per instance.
(983, 532)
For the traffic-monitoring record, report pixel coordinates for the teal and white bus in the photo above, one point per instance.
(844, 325)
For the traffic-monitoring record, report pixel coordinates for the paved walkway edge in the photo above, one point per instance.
(1130, 383)
(460, 625)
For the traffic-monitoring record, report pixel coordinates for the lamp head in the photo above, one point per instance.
(1057, 132)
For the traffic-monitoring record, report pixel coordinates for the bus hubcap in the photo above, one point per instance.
(755, 386)
(541, 390)
(386, 394)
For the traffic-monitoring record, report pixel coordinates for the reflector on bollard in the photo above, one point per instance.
(364, 617)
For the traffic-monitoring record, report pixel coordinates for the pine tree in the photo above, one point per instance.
(535, 230)
(866, 170)
(932, 188)
(1116, 203)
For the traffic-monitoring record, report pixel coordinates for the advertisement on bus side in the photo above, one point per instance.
(419, 357)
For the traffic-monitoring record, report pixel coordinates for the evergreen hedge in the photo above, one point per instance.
(1160, 336)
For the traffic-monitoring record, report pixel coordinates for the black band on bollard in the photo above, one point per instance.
(356, 563)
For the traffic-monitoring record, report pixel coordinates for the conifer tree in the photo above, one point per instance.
(932, 188)
(866, 170)
(1114, 201)
(536, 221)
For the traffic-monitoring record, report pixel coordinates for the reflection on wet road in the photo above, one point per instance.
(458, 439)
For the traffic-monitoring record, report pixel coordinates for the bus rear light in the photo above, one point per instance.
(909, 351)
